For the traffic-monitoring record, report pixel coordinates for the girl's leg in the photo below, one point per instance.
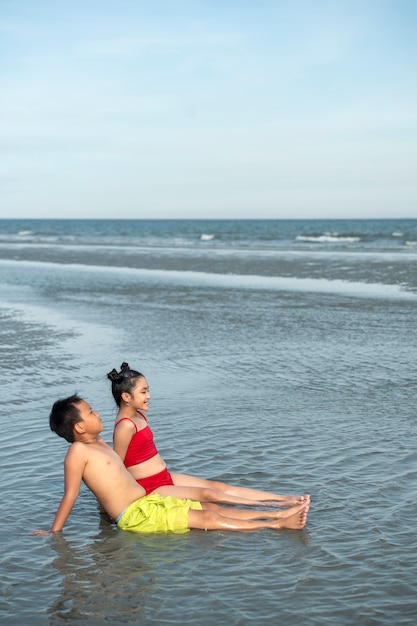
(185, 480)
(204, 494)
(211, 520)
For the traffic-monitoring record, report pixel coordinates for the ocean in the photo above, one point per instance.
(281, 355)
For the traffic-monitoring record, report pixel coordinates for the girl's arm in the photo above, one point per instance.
(123, 434)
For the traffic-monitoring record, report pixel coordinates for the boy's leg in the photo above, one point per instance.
(185, 480)
(208, 519)
(251, 514)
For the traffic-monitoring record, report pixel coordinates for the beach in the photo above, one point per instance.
(280, 355)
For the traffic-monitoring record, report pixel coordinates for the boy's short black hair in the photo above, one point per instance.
(64, 415)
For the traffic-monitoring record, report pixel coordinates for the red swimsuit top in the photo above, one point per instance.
(141, 446)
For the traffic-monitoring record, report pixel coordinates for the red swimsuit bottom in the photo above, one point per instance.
(150, 483)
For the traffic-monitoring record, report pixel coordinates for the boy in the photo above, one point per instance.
(91, 460)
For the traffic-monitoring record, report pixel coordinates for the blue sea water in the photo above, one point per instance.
(280, 355)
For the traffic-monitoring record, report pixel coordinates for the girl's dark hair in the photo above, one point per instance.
(64, 415)
(125, 380)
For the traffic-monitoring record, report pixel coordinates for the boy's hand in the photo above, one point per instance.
(41, 532)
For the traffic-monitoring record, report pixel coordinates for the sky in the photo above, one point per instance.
(208, 109)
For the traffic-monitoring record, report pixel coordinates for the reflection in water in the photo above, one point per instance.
(129, 578)
(97, 577)
(109, 576)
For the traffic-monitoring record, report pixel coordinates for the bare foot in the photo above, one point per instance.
(296, 520)
(290, 500)
(289, 511)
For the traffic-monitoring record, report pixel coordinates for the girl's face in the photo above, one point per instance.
(140, 395)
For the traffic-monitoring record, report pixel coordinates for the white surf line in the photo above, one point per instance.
(237, 281)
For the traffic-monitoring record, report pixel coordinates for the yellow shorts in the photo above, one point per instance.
(157, 514)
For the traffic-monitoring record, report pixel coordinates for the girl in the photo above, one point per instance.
(133, 442)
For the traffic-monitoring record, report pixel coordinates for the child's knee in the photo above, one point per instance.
(211, 495)
(202, 519)
(218, 486)
(210, 506)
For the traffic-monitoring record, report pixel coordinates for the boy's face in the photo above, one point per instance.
(91, 421)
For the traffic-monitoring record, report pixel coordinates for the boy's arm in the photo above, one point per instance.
(74, 465)
(73, 472)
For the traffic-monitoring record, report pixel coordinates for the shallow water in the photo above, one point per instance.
(272, 383)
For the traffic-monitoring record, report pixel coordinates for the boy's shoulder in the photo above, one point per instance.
(77, 451)
(75, 448)
(80, 453)
(84, 448)
(75, 445)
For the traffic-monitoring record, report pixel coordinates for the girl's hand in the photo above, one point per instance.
(41, 532)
